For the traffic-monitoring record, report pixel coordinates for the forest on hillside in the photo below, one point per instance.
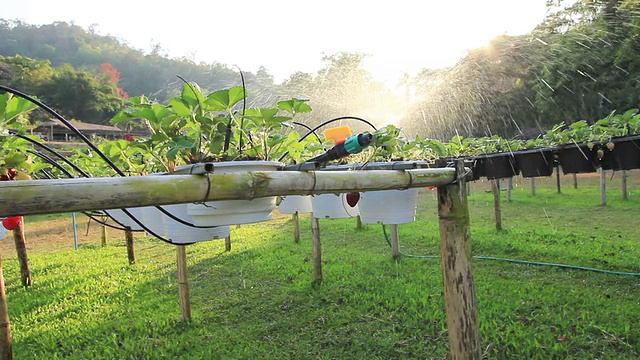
(581, 62)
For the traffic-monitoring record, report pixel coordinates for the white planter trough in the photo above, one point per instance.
(332, 206)
(295, 203)
(235, 212)
(180, 233)
(124, 219)
(388, 206)
(152, 219)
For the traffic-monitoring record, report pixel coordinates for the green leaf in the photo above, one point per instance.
(180, 107)
(192, 94)
(15, 160)
(222, 100)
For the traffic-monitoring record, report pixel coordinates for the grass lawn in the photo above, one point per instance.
(257, 301)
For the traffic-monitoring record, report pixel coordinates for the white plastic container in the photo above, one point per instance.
(388, 206)
(234, 212)
(292, 203)
(124, 219)
(180, 233)
(330, 206)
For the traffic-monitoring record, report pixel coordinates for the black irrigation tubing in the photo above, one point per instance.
(66, 123)
(63, 158)
(313, 131)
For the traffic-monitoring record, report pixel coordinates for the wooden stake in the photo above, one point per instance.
(509, 188)
(103, 234)
(21, 249)
(358, 223)
(558, 179)
(296, 227)
(459, 288)
(495, 187)
(227, 244)
(131, 254)
(6, 347)
(183, 283)
(575, 181)
(533, 186)
(317, 251)
(395, 246)
(625, 195)
(603, 187)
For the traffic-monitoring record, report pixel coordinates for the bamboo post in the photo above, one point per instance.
(575, 181)
(183, 283)
(128, 235)
(509, 188)
(21, 249)
(625, 195)
(395, 246)
(459, 288)
(603, 187)
(558, 179)
(103, 234)
(533, 186)
(317, 251)
(295, 219)
(495, 187)
(6, 347)
(227, 243)
(358, 223)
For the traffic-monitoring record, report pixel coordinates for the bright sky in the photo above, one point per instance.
(286, 36)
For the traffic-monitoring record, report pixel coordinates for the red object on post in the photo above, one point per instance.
(11, 222)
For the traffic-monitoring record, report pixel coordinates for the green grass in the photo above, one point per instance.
(257, 301)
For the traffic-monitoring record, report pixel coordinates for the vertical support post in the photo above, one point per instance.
(183, 283)
(575, 181)
(625, 194)
(603, 187)
(103, 234)
(74, 224)
(6, 346)
(317, 251)
(358, 223)
(131, 254)
(21, 250)
(558, 180)
(509, 188)
(295, 218)
(227, 243)
(459, 288)
(395, 245)
(533, 186)
(495, 187)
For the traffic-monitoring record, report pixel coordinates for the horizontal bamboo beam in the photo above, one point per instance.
(28, 197)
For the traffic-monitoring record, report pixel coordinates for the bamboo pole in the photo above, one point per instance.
(509, 188)
(625, 194)
(459, 288)
(558, 179)
(52, 196)
(227, 243)
(183, 283)
(495, 187)
(131, 254)
(575, 181)
(21, 249)
(317, 251)
(395, 244)
(358, 223)
(103, 234)
(533, 186)
(603, 187)
(6, 346)
(295, 218)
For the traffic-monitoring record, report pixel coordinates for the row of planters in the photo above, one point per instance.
(195, 127)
